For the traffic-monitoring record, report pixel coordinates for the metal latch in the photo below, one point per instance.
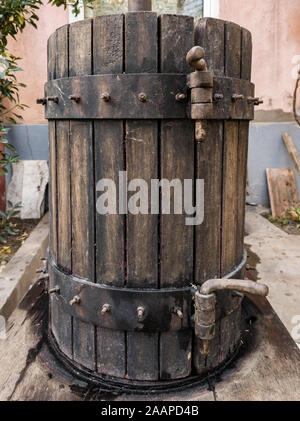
(217, 98)
(205, 305)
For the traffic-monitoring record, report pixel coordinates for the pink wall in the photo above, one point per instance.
(275, 27)
(31, 45)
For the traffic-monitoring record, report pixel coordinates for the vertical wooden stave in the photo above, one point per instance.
(246, 60)
(109, 160)
(141, 57)
(234, 43)
(51, 71)
(232, 59)
(61, 323)
(176, 161)
(209, 33)
(82, 191)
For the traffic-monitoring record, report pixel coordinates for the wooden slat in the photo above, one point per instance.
(229, 205)
(51, 56)
(61, 323)
(177, 158)
(209, 34)
(282, 190)
(288, 141)
(63, 159)
(176, 241)
(62, 52)
(63, 195)
(109, 160)
(108, 44)
(209, 168)
(53, 189)
(141, 154)
(141, 161)
(232, 50)
(246, 54)
(80, 49)
(242, 156)
(141, 42)
(82, 190)
(246, 59)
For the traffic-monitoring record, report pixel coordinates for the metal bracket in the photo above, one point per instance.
(117, 96)
(217, 98)
(126, 309)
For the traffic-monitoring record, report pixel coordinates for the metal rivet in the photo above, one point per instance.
(178, 312)
(140, 313)
(105, 96)
(52, 98)
(75, 300)
(256, 101)
(217, 97)
(235, 97)
(55, 289)
(75, 98)
(142, 97)
(105, 308)
(180, 97)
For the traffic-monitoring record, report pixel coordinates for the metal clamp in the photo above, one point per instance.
(217, 98)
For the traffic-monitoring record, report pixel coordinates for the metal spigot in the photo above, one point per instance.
(205, 305)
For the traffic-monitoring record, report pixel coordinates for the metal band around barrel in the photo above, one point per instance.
(167, 309)
(145, 96)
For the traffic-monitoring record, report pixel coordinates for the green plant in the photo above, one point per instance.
(290, 215)
(6, 226)
(14, 16)
(293, 214)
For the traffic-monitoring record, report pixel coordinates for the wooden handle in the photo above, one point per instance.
(195, 58)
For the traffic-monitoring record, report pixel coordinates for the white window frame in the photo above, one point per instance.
(210, 9)
(80, 16)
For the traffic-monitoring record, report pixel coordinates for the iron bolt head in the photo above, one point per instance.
(75, 300)
(142, 97)
(140, 313)
(178, 312)
(75, 98)
(53, 99)
(180, 97)
(236, 97)
(105, 96)
(105, 308)
(56, 289)
(217, 97)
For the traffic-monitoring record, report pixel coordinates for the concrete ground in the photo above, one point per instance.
(277, 264)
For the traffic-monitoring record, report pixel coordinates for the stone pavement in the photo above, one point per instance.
(277, 265)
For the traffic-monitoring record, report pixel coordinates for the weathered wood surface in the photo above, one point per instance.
(282, 190)
(108, 57)
(176, 158)
(288, 141)
(269, 368)
(141, 162)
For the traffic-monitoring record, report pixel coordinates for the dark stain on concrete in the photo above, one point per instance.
(252, 262)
